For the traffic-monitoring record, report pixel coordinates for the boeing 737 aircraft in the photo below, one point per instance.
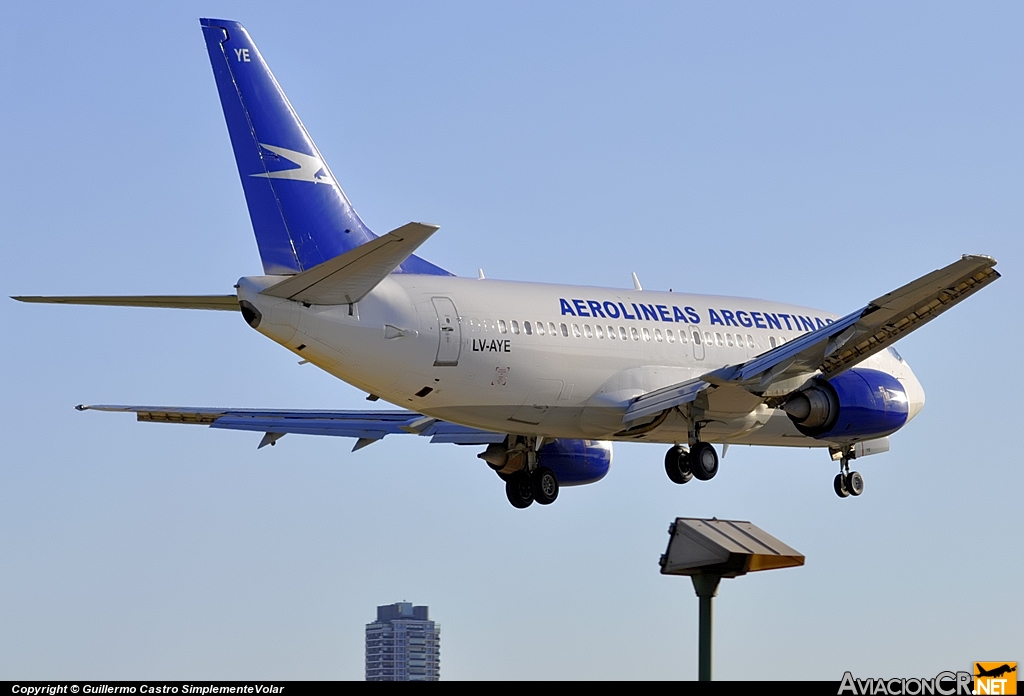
(543, 376)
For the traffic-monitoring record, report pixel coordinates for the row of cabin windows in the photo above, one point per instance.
(643, 333)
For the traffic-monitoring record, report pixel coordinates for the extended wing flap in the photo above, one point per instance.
(892, 316)
(227, 303)
(653, 403)
(348, 278)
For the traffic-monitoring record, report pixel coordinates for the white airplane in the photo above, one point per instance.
(545, 376)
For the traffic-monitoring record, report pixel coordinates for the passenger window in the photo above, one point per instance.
(750, 341)
(771, 341)
(682, 338)
(647, 334)
(728, 340)
(611, 333)
(657, 335)
(501, 326)
(635, 333)
(696, 338)
(670, 336)
(576, 330)
(527, 328)
(599, 331)
(707, 338)
(587, 332)
(565, 330)
(515, 327)
(718, 339)
(540, 328)
(552, 331)
(622, 333)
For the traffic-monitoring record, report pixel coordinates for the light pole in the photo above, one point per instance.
(709, 550)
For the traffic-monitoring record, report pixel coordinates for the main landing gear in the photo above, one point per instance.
(526, 481)
(700, 462)
(846, 482)
(524, 487)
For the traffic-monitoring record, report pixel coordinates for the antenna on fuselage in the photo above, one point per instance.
(636, 283)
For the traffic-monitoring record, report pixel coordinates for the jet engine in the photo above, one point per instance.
(575, 462)
(856, 404)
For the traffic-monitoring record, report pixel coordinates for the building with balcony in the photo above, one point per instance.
(403, 644)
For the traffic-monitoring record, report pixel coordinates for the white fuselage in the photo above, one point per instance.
(547, 360)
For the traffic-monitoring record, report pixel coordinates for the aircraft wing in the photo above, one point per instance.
(837, 347)
(366, 426)
(349, 277)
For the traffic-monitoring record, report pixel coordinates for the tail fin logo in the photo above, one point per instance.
(311, 168)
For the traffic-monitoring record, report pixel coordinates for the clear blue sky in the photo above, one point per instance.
(815, 153)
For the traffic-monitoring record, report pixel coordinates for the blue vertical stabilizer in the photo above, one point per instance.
(299, 213)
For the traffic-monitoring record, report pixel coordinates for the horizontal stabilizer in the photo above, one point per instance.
(348, 278)
(227, 303)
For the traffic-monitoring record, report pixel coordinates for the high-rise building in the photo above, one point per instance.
(403, 644)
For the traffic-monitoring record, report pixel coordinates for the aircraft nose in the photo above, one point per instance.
(915, 393)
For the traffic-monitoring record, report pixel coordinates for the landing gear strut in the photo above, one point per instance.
(846, 482)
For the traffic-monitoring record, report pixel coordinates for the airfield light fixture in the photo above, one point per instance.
(709, 550)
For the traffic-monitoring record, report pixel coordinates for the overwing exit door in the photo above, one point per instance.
(449, 344)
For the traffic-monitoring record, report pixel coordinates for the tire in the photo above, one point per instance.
(704, 461)
(677, 465)
(855, 483)
(545, 485)
(839, 483)
(518, 490)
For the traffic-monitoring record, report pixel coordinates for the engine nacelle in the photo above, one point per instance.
(858, 403)
(576, 462)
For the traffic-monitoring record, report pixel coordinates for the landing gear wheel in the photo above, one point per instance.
(704, 461)
(545, 485)
(854, 483)
(677, 464)
(519, 490)
(839, 483)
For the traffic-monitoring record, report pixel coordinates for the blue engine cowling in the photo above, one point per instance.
(858, 403)
(576, 462)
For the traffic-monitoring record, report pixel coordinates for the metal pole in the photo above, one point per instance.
(706, 585)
